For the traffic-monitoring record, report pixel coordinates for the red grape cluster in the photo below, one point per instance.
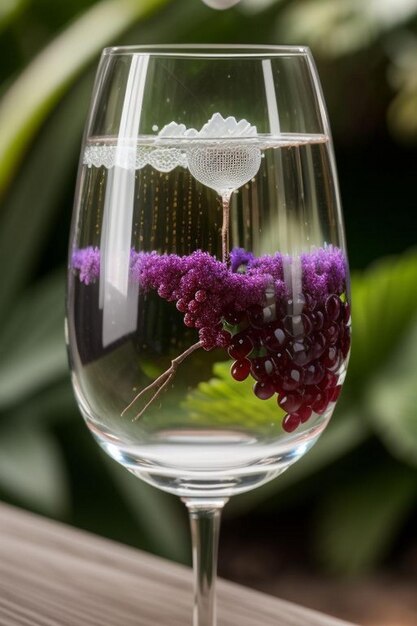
(294, 349)
(296, 357)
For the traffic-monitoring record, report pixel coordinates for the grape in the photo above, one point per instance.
(240, 369)
(345, 344)
(317, 320)
(256, 316)
(330, 357)
(293, 378)
(318, 345)
(313, 373)
(346, 313)
(263, 390)
(304, 413)
(281, 360)
(233, 317)
(293, 356)
(294, 325)
(290, 402)
(240, 346)
(262, 368)
(290, 422)
(332, 333)
(333, 307)
(300, 351)
(335, 393)
(307, 324)
(321, 402)
(274, 337)
(310, 302)
(329, 381)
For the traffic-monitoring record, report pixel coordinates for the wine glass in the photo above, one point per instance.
(208, 294)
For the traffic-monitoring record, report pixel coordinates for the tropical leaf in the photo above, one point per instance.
(9, 10)
(32, 469)
(384, 306)
(158, 514)
(402, 117)
(32, 348)
(224, 400)
(27, 213)
(392, 401)
(49, 406)
(343, 27)
(39, 87)
(358, 521)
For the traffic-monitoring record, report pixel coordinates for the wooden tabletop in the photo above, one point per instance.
(53, 575)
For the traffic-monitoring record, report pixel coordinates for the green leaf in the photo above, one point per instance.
(32, 469)
(358, 520)
(40, 86)
(32, 347)
(49, 406)
(9, 10)
(384, 305)
(158, 513)
(223, 399)
(401, 115)
(392, 401)
(343, 27)
(26, 217)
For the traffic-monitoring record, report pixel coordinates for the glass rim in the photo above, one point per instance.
(213, 51)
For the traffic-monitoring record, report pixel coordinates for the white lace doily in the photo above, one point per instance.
(222, 155)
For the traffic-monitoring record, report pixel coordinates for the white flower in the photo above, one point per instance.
(176, 131)
(212, 159)
(217, 127)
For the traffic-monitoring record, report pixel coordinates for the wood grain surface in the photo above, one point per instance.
(53, 575)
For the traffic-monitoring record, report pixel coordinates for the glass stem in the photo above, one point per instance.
(205, 526)
(225, 225)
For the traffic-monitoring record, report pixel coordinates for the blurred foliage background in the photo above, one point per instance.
(356, 492)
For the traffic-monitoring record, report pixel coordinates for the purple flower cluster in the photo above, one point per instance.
(206, 290)
(202, 287)
(87, 262)
(324, 272)
(240, 257)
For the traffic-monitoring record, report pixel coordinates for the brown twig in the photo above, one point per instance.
(162, 381)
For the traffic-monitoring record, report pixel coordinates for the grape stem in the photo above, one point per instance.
(162, 381)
